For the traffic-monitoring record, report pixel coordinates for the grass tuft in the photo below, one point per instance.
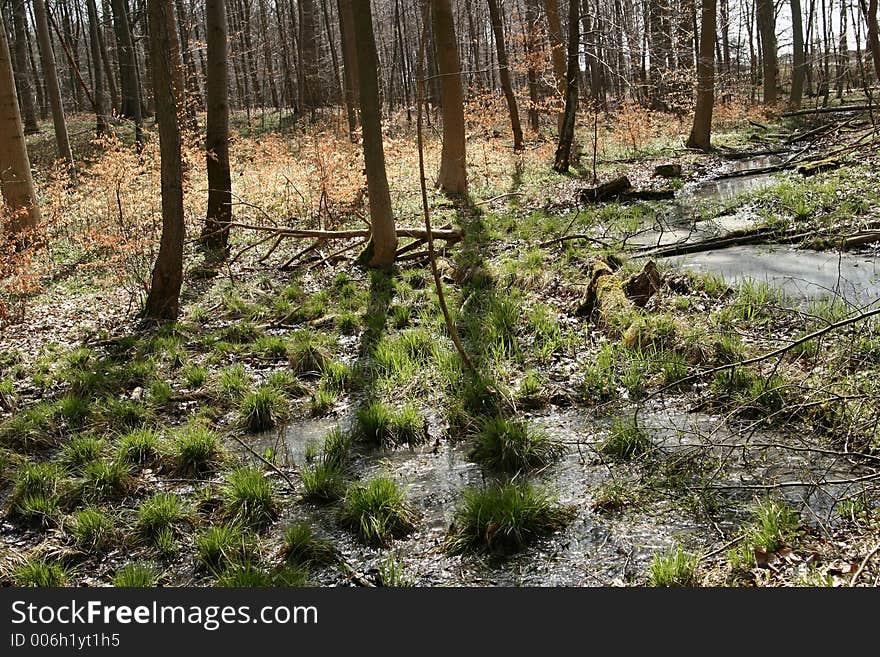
(512, 446)
(377, 511)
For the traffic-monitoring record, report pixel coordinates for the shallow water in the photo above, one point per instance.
(800, 273)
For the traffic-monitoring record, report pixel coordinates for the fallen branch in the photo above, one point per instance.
(417, 233)
(864, 563)
(828, 110)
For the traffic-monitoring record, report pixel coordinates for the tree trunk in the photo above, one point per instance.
(766, 14)
(312, 95)
(798, 59)
(557, 52)
(383, 241)
(97, 75)
(532, 49)
(22, 74)
(701, 133)
(452, 178)
(566, 135)
(107, 64)
(504, 70)
(869, 9)
(21, 211)
(215, 235)
(163, 300)
(128, 73)
(52, 89)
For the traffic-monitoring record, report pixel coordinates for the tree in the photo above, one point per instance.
(128, 71)
(22, 75)
(766, 16)
(557, 51)
(452, 178)
(798, 58)
(163, 300)
(22, 211)
(504, 71)
(566, 134)
(216, 231)
(382, 248)
(869, 9)
(350, 64)
(97, 77)
(50, 74)
(701, 132)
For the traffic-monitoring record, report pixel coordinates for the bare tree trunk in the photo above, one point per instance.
(128, 73)
(869, 9)
(383, 241)
(566, 135)
(557, 51)
(504, 70)
(21, 211)
(701, 133)
(313, 95)
(452, 178)
(52, 89)
(215, 235)
(97, 75)
(798, 59)
(107, 64)
(532, 48)
(163, 300)
(766, 14)
(22, 74)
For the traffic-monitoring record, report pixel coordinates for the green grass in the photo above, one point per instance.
(322, 482)
(40, 573)
(194, 450)
(123, 413)
(159, 513)
(301, 546)
(308, 354)
(377, 424)
(248, 497)
(251, 575)
(626, 441)
(674, 567)
(262, 409)
(194, 376)
(74, 411)
(512, 446)
(219, 546)
(102, 480)
(393, 574)
(773, 526)
(92, 529)
(81, 450)
(272, 347)
(139, 447)
(136, 575)
(32, 428)
(377, 511)
(322, 401)
(233, 382)
(504, 518)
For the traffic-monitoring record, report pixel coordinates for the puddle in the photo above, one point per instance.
(800, 273)
(595, 549)
(726, 189)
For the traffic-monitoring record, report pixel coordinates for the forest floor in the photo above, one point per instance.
(307, 421)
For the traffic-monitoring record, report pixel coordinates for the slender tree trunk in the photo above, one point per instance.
(383, 242)
(36, 78)
(268, 65)
(798, 59)
(350, 65)
(215, 235)
(107, 65)
(532, 48)
(504, 70)
(163, 300)
(566, 135)
(452, 178)
(313, 95)
(128, 73)
(22, 74)
(701, 133)
(52, 89)
(557, 52)
(869, 9)
(767, 27)
(97, 76)
(21, 211)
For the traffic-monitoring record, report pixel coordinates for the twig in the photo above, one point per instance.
(265, 461)
(864, 563)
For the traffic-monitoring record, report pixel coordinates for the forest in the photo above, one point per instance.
(411, 293)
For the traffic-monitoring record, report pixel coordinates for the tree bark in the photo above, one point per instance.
(350, 65)
(566, 135)
(504, 71)
(22, 74)
(163, 300)
(215, 235)
(50, 72)
(798, 58)
(128, 74)
(701, 132)
(383, 242)
(97, 75)
(21, 211)
(766, 15)
(557, 52)
(869, 9)
(312, 93)
(452, 178)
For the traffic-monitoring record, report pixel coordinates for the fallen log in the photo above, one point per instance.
(861, 238)
(416, 233)
(607, 191)
(829, 110)
(812, 167)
